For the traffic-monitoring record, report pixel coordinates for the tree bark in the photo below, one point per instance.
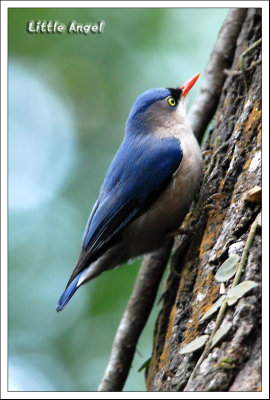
(221, 218)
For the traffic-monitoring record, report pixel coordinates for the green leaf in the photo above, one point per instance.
(222, 331)
(213, 309)
(227, 269)
(238, 291)
(145, 364)
(194, 345)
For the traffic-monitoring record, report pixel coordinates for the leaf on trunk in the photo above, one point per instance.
(213, 309)
(220, 333)
(194, 345)
(227, 269)
(239, 291)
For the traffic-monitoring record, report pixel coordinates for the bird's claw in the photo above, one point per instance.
(181, 231)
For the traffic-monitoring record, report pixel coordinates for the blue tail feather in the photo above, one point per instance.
(68, 293)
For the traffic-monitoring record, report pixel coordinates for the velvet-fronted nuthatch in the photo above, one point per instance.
(147, 190)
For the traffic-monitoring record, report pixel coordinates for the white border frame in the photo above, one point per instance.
(4, 216)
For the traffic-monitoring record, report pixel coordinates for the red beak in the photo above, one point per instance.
(188, 85)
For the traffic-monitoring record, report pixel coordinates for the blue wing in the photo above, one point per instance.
(140, 170)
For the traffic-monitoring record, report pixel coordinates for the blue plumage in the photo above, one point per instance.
(139, 170)
(123, 222)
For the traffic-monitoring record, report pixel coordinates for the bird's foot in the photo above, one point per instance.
(181, 231)
(207, 152)
(216, 196)
(209, 206)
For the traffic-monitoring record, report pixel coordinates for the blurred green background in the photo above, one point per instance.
(69, 97)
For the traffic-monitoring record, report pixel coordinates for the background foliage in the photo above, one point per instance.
(69, 97)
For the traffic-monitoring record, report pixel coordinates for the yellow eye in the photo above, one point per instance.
(171, 101)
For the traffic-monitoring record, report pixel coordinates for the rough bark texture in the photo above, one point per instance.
(214, 77)
(234, 364)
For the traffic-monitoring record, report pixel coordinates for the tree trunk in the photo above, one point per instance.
(220, 222)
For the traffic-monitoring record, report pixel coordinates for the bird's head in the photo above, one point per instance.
(159, 108)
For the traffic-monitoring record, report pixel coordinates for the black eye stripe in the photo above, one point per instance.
(176, 93)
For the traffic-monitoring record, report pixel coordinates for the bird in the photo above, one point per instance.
(147, 190)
